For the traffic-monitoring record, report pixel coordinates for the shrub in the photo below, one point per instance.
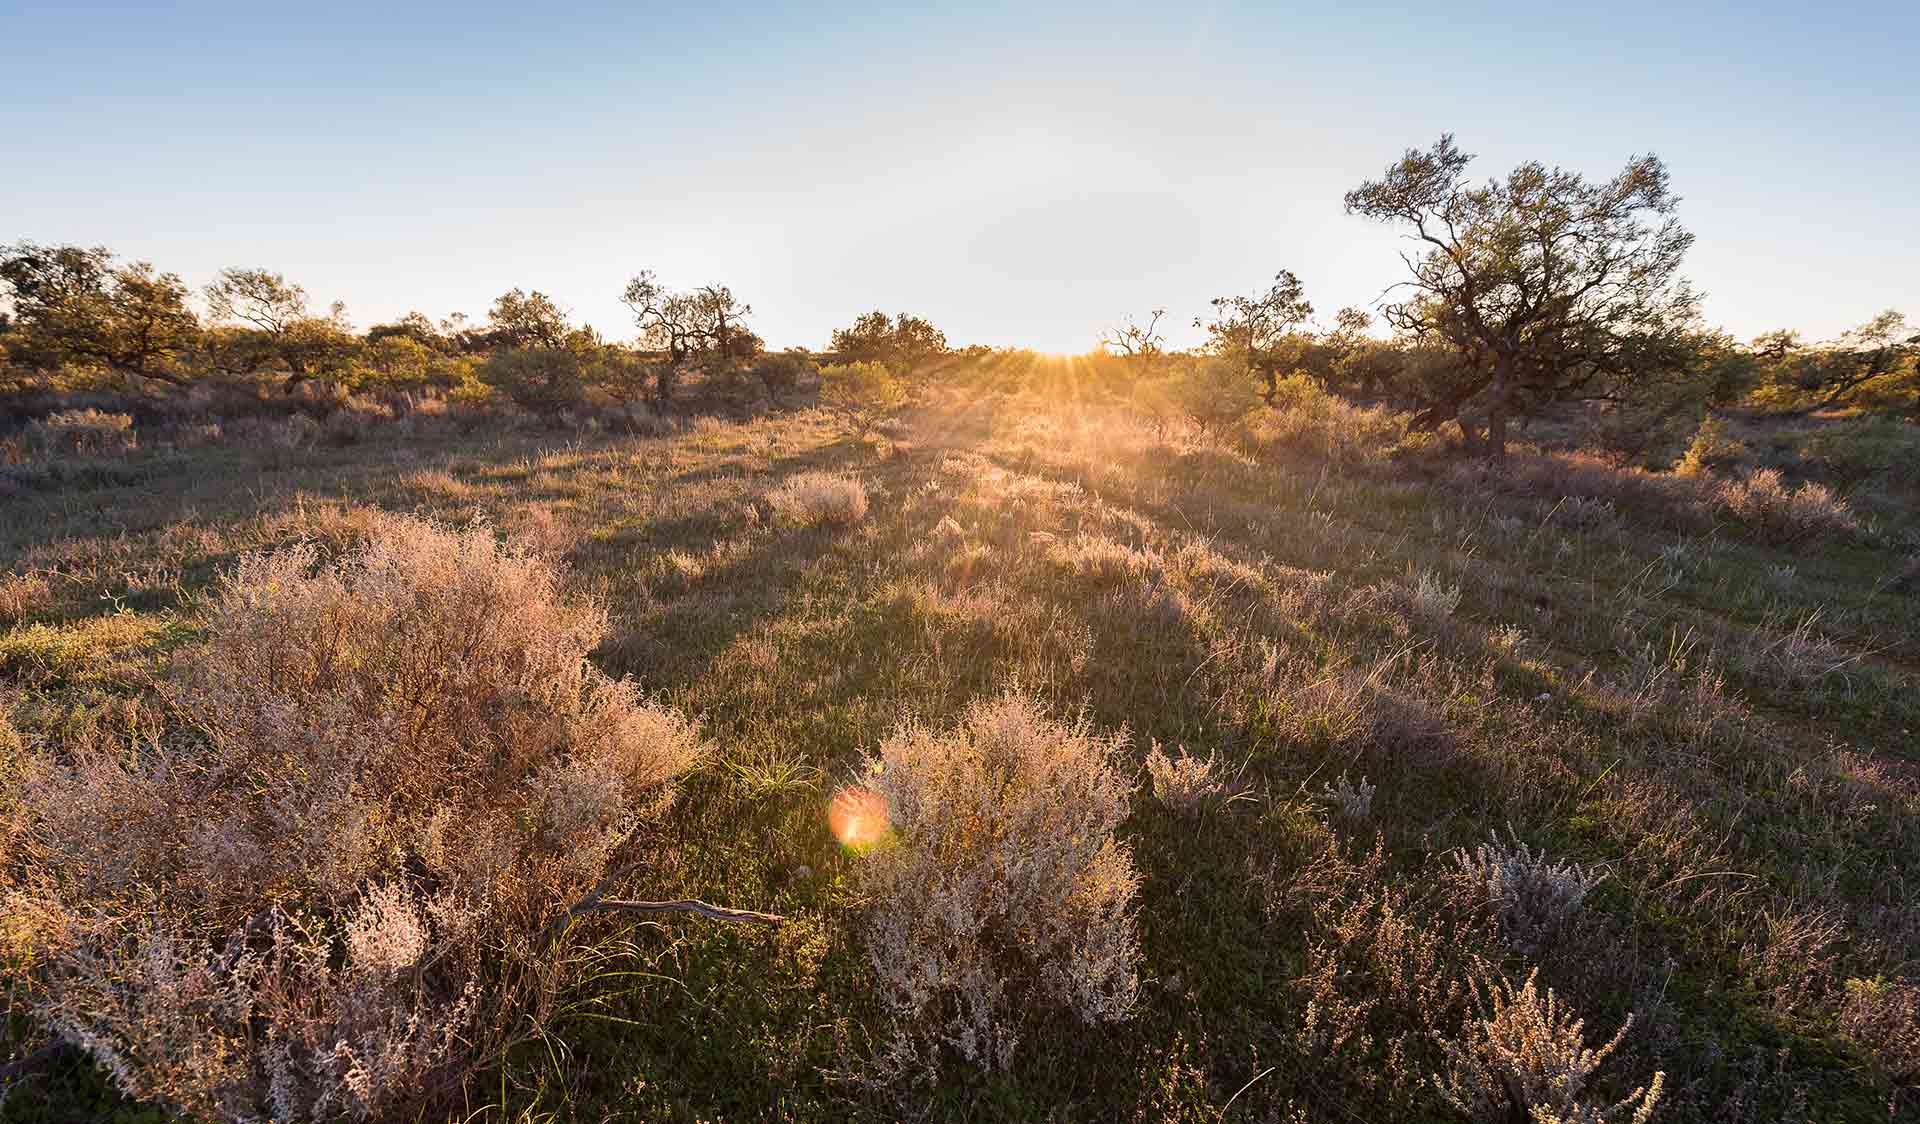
(1860, 449)
(1185, 783)
(83, 433)
(1713, 449)
(1006, 893)
(783, 372)
(326, 888)
(1799, 658)
(1355, 801)
(540, 380)
(1213, 395)
(1784, 514)
(1531, 1049)
(863, 393)
(1884, 1016)
(1307, 420)
(23, 594)
(820, 497)
(1531, 896)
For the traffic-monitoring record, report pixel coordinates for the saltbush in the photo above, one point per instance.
(1006, 894)
(326, 886)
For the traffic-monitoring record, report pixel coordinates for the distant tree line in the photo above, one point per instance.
(1521, 292)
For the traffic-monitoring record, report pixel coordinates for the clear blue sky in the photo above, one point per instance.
(1021, 174)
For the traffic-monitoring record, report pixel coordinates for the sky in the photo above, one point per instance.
(1020, 174)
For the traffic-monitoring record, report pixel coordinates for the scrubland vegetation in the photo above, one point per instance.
(1508, 719)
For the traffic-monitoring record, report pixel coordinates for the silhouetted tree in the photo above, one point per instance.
(1546, 285)
(1259, 331)
(903, 342)
(1133, 339)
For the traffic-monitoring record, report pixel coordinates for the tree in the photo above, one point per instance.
(903, 342)
(522, 319)
(274, 324)
(1875, 363)
(70, 304)
(1134, 340)
(1258, 330)
(1549, 286)
(413, 326)
(1355, 362)
(698, 323)
(258, 297)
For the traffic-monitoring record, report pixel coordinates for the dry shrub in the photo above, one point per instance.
(1531, 895)
(1781, 514)
(326, 889)
(1186, 782)
(82, 433)
(1528, 1059)
(820, 497)
(1006, 895)
(1664, 500)
(1104, 561)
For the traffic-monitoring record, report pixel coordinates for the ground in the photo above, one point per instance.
(1719, 720)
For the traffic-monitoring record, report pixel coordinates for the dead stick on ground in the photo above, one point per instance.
(685, 905)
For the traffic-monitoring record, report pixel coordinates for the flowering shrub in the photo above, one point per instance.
(1006, 891)
(324, 888)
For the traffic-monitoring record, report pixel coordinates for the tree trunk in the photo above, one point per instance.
(1497, 396)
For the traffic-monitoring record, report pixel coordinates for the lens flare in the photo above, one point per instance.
(858, 817)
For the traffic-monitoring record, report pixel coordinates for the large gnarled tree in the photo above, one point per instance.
(1548, 286)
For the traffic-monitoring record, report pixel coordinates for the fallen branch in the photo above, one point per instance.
(594, 902)
(684, 905)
